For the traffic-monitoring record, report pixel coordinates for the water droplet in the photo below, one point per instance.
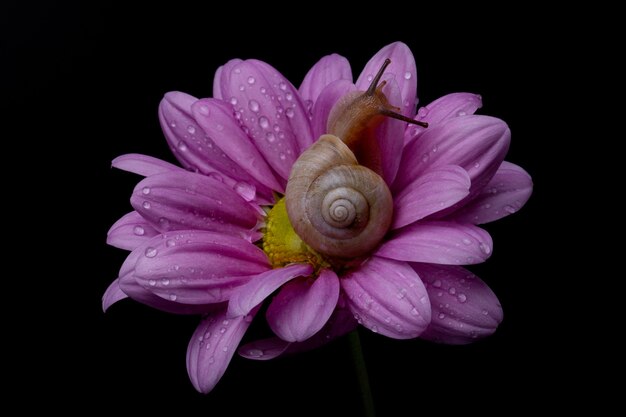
(204, 110)
(407, 75)
(139, 231)
(370, 77)
(510, 209)
(237, 70)
(270, 137)
(282, 156)
(289, 96)
(164, 223)
(182, 146)
(462, 298)
(152, 282)
(173, 297)
(374, 328)
(485, 248)
(437, 283)
(440, 293)
(251, 80)
(485, 312)
(435, 149)
(425, 157)
(282, 85)
(253, 105)
(211, 359)
(289, 112)
(223, 330)
(242, 87)
(264, 122)
(487, 206)
(467, 241)
(191, 129)
(263, 90)
(150, 252)
(401, 294)
(245, 190)
(225, 322)
(225, 349)
(441, 316)
(461, 113)
(414, 312)
(169, 243)
(173, 124)
(452, 290)
(477, 165)
(399, 328)
(146, 190)
(234, 101)
(255, 353)
(165, 282)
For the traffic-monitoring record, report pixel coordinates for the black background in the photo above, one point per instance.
(83, 85)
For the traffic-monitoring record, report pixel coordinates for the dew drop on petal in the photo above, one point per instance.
(282, 156)
(204, 110)
(138, 230)
(191, 129)
(150, 252)
(251, 80)
(173, 297)
(441, 316)
(485, 248)
(407, 75)
(164, 223)
(165, 282)
(282, 85)
(264, 122)
(510, 209)
(234, 101)
(146, 190)
(485, 312)
(461, 113)
(270, 137)
(152, 282)
(169, 243)
(182, 146)
(414, 312)
(245, 190)
(467, 241)
(452, 290)
(253, 105)
(289, 112)
(437, 284)
(462, 298)
(255, 353)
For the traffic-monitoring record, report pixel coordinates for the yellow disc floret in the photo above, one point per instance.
(282, 245)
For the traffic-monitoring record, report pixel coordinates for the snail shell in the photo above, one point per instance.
(337, 207)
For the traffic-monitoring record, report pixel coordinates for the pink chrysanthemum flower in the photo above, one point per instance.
(214, 238)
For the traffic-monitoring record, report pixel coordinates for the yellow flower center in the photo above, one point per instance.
(283, 246)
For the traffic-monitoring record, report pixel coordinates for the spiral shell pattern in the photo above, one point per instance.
(337, 207)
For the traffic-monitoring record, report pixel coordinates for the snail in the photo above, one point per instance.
(336, 200)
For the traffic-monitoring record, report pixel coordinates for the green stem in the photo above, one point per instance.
(361, 373)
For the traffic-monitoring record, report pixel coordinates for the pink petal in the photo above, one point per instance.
(439, 243)
(340, 323)
(402, 68)
(464, 308)
(388, 297)
(198, 267)
(185, 200)
(130, 231)
(390, 135)
(129, 285)
(430, 193)
(475, 143)
(216, 119)
(271, 111)
(325, 102)
(327, 70)
(112, 295)
(217, 90)
(507, 192)
(445, 108)
(212, 346)
(260, 287)
(303, 306)
(196, 148)
(143, 165)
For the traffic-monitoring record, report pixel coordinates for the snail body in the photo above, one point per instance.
(336, 200)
